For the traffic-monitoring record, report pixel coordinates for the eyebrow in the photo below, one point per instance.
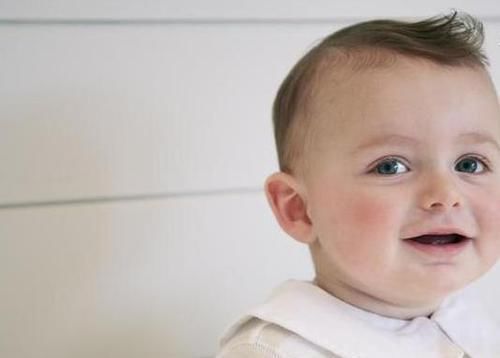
(479, 138)
(402, 140)
(392, 139)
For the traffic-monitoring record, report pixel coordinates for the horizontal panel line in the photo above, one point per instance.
(187, 21)
(137, 197)
(200, 21)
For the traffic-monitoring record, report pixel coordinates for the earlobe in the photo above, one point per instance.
(289, 206)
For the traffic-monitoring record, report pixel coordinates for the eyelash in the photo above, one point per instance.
(386, 160)
(482, 160)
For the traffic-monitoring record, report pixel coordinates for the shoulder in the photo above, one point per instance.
(260, 339)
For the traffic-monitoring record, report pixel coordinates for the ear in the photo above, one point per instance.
(289, 206)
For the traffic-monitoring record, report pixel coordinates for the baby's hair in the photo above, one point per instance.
(451, 40)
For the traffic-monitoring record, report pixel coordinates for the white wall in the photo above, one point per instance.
(230, 10)
(134, 141)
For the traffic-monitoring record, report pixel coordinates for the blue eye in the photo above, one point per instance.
(390, 167)
(471, 165)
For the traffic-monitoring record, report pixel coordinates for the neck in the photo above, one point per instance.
(373, 304)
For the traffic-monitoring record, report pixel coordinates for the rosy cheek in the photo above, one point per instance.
(362, 216)
(486, 208)
(487, 211)
(357, 226)
(367, 223)
(369, 212)
(492, 206)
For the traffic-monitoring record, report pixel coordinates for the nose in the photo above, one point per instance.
(440, 193)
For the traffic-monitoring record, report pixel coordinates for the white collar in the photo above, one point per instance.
(314, 314)
(468, 324)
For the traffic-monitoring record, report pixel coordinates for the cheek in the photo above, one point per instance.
(491, 216)
(484, 206)
(359, 229)
(369, 212)
(361, 221)
(487, 209)
(368, 225)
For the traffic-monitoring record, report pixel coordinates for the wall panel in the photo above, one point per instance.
(108, 99)
(137, 279)
(142, 278)
(99, 111)
(226, 9)
(102, 111)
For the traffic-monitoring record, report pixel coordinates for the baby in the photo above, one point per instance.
(388, 139)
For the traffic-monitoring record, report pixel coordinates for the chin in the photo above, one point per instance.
(429, 293)
(438, 290)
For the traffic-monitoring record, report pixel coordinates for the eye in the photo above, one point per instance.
(390, 166)
(472, 165)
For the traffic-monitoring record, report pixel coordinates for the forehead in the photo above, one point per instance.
(405, 97)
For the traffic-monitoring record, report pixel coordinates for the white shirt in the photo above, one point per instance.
(302, 320)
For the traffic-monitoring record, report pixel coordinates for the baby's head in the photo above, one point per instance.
(388, 138)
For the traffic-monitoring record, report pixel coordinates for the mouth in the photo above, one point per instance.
(449, 239)
(446, 245)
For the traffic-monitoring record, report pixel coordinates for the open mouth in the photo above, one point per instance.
(448, 239)
(442, 246)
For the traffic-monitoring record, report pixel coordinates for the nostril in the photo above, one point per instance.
(442, 205)
(437, 206)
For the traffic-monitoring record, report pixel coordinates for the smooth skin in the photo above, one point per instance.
(397, 152)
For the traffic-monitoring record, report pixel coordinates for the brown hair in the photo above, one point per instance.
(452, 40)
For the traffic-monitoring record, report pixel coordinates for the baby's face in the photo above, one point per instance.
(402, 152)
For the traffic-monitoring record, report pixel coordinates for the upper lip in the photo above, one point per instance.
(441, 231)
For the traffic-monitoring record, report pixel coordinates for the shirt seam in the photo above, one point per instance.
(450, 340)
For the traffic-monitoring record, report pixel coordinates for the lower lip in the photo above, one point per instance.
(446, 250)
